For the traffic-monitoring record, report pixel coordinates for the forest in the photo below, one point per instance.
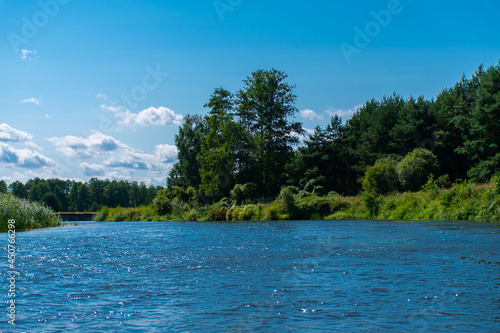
(72, 196)
(249, 142)
(247, 149)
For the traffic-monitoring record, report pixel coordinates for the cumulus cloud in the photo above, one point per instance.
(344, 114)
(24, 158)
(92, 170)
(131, 160)
(8, 133)
(114, 159)
(166, 153)
(150, 117)
(31, 100)
(310, 115)
(96, 145)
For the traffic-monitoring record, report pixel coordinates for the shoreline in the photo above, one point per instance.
(461, 202)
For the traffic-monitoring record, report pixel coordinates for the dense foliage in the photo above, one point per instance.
(387, 146)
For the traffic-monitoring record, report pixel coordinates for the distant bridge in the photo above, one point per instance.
(72, 216)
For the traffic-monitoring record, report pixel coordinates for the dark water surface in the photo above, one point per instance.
(304, 276)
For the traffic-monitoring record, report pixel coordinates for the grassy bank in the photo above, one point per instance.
(461, 202)
(28, 215)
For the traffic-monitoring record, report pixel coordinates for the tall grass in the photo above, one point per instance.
(28, 215)
(119, 214)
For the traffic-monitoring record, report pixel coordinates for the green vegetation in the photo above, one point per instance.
(463, 201)
(28, 215)
(71, 196)
(394, 159)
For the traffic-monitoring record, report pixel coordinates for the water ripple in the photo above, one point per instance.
(238, 277)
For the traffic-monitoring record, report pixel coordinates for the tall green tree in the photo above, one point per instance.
(18, 189)
(186, 172)
(266, 108)
(368, 133)
(452, 109)
(79, 197)
(226, 153)
(482, 147)
(322, 161)
(414, 127)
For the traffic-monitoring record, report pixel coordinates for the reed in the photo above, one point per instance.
(28, 215)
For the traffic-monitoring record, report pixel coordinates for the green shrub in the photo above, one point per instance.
(270, 213)
(238, 194)
(286, 202)
(381, 178)
(249, 213)
(315, 205)
(102, 214)
(495, 180)
(413, 171)
(162, 204)
(241, 193)
(371, 202)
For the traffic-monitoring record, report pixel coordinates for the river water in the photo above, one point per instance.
(304, 276)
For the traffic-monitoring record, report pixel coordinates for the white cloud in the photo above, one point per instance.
(32, 100)
(166, 153)
(310, 115)
(114, 159)
(96, 145)
(8, 133)
(131, 159)
(114, 109)
(48, 116)
(344, 114)
(150, 117)
(25, 54)
(92, 170)
(24, 158)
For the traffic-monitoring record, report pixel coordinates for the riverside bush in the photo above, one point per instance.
(463, 201)
(413, 171)
(381, 178)
(286, 202)
(28, 215)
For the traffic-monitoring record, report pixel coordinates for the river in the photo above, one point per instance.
(307, 276)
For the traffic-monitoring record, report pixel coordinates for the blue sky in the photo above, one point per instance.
(99, 88)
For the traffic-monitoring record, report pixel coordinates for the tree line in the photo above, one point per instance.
(247, 143)
(247, 148)
(72, 196)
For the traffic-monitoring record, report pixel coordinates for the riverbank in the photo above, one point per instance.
(28, 215)
(461, 202)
